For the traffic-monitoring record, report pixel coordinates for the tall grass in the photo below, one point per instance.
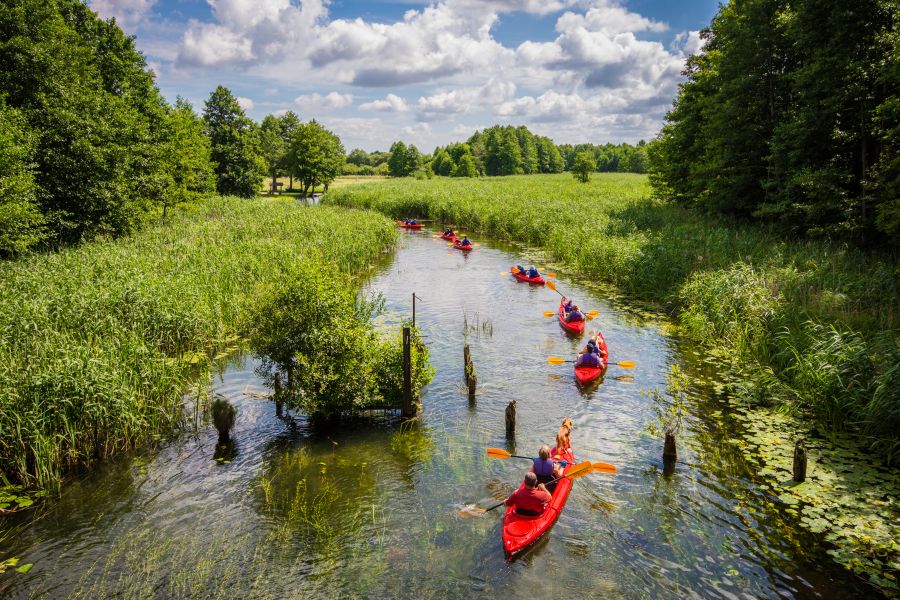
(96, 343)
(810, 324)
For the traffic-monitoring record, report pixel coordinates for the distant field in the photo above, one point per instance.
(809, 324)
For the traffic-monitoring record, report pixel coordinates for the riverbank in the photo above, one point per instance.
(803, 327)
(100, 342)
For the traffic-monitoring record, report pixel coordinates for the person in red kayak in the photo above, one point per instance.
(531, 498)
(589, 356)
(545, 469)
(465, 242)
(532, 272)
(567, 305)
(574, 315)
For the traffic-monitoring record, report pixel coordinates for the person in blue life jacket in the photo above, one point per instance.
(545, 469)
(567, 305)
(520, 269)
(591, 348)
(533, 272)
(465, 241)
(448, 232)
(589, 359)
(574, 315)
(413, 222)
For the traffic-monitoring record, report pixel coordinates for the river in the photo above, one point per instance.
(372, 510)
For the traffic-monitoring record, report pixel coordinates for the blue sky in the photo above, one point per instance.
(427, 72)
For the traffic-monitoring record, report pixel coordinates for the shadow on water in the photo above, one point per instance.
(372, 509)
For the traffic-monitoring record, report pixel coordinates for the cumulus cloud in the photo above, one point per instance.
(330, 100)
(390, 103)
(465, 100)
(125, 12)
(245, 103)
(688, 43)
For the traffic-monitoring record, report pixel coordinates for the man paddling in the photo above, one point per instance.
(531, 498)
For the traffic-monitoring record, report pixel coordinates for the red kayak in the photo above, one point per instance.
(586, 375)
(522, 277)
(576, 327)
(458, 245)
(520, 532)
(409, 225)
(449, 238)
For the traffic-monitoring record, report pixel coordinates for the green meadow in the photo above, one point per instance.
(809, 326)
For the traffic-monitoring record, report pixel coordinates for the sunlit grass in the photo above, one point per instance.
(98, 343)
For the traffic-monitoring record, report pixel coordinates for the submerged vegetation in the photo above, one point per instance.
(99, 342)
(810, 326)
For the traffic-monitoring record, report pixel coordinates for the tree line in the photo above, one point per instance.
(496, 151)
(791, 115)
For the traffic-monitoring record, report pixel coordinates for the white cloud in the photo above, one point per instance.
(688, 43)
(246, 103)
(330, 100)
(390, 103)
(539, 7)
(126, 12)
(465, 100)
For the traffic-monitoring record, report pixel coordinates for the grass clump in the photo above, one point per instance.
(809, 325)
(98, 343)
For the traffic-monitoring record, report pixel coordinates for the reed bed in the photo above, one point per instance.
(807, 324)
(98, 343)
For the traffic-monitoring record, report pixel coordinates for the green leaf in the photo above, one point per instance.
(24, 568)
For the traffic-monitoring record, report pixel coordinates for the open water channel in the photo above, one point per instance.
(372, 510)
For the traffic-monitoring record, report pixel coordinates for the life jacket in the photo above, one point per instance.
(574, 316)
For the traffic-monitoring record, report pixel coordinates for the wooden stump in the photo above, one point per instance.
(277, 394)
(471, 374)
(800, 461)
(670, 455)
(511, 419)
(409, 409)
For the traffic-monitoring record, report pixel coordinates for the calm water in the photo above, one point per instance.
(373, 510)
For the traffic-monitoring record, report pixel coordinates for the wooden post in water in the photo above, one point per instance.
(414, 309)
(670, 455)
(277, 394)
(471, 374)
(800, 461)
(511, 419)
(408, 411)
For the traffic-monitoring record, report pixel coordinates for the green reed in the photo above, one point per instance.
(98, 343)
(811, 324)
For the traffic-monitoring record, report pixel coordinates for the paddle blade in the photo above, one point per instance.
(626, 364)
(498, 453)
(551, 285)
(603, 467)
(555, 360)
(593, 313)
(550, 275)
(549, 313)
(580, 470)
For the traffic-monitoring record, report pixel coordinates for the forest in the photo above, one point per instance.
(790, 115)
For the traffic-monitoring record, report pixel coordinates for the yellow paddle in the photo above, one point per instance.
(555, 360)
(590, 314)
(501, 453)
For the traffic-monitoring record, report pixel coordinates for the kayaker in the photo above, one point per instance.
(465, 242)
(531, 498)
(533, 272)
(448, 232)
(589, 359)
(590, 348)
(567, 305)
(597, 347)
(520, 269)
(574, 315)
(544, 468)
(413, 222)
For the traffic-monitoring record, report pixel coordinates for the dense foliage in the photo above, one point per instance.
(404, 160)
(91, 145)
(234, 143)
(610, 158)
(583, 166)
(790, 115)
(810, 326)
(317, 330)
(99, 342)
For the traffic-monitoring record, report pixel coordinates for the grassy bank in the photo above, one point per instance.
(98, 343)
(805, 325)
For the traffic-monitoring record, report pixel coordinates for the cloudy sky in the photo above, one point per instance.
(427, 72)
